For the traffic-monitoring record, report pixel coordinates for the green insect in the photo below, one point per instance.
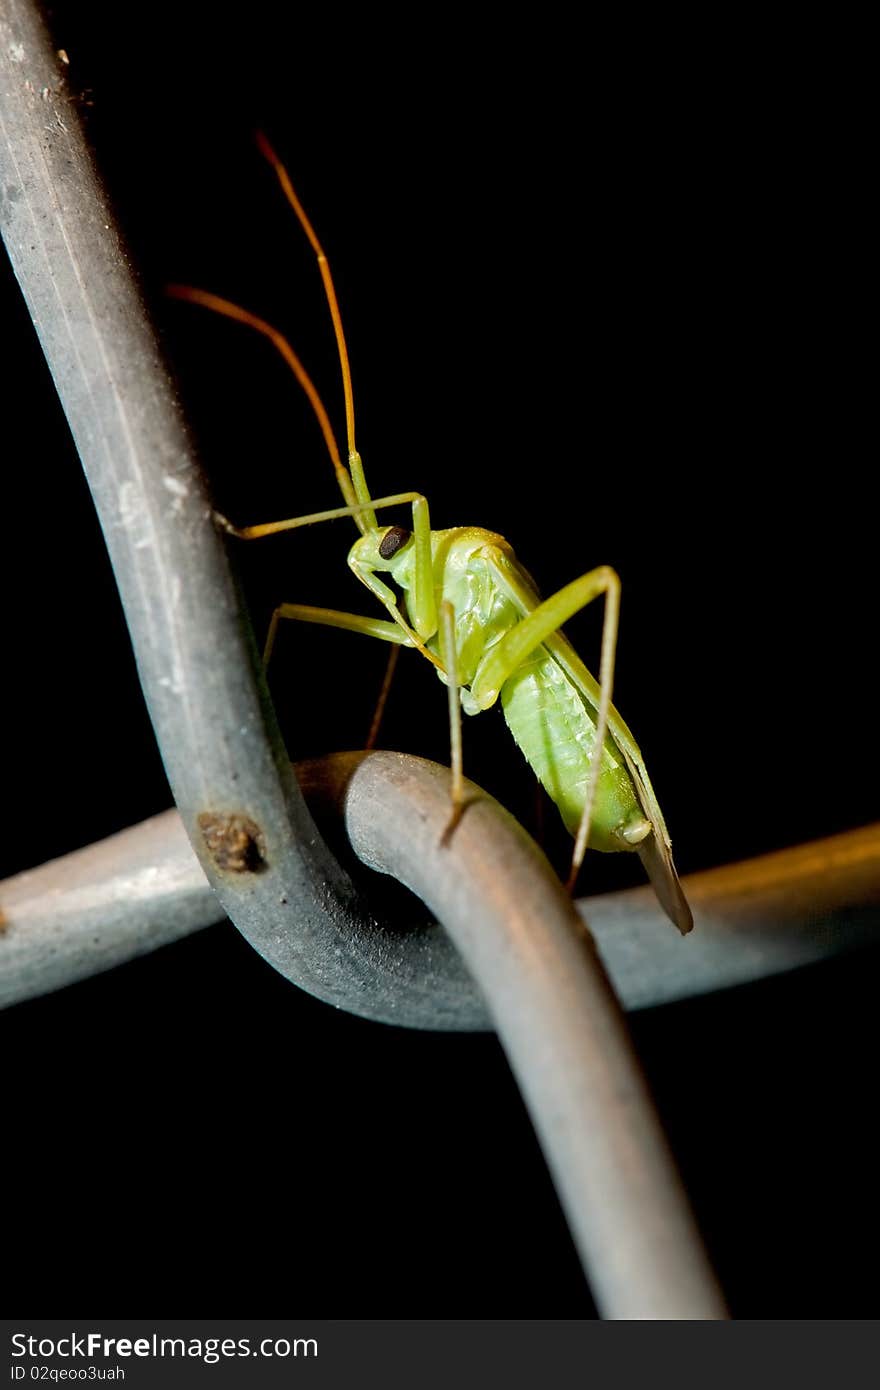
(471, 610)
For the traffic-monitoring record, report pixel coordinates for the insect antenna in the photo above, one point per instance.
(354, 458)
(229, 310)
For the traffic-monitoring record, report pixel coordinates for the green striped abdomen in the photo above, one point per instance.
(556, 731)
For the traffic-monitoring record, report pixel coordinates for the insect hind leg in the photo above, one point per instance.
(539, 622)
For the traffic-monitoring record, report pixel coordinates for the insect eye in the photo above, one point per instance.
(391, 542)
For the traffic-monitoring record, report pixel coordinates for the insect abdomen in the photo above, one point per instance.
(556, 732)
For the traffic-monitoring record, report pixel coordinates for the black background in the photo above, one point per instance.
(601, 297)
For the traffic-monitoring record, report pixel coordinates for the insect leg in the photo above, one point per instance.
(351, 622)
(272, 528)
(655, 851)
(447, 638)
(392, 632)
(532, 632)
(331, 617)
(423, 603)
(376, 722)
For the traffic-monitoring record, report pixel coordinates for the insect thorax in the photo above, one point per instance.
(464, 578)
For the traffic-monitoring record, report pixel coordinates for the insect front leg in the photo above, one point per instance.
(350, 622)
(421, 602)
(421, 605)
(331, 617)
(424, 609)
